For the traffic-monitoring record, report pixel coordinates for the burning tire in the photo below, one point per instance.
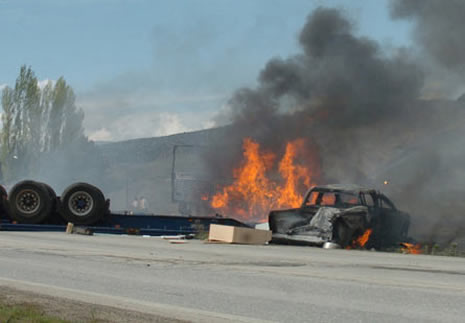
(30, 202)
(82, 203)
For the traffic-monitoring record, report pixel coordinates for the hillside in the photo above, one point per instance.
(143, 167)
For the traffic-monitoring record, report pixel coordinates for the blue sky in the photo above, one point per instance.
(145, 68)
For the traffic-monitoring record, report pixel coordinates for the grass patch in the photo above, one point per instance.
(203, 235)
(25, 313)
(28, 307)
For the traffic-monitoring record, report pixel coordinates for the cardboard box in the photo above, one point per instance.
(231, 234)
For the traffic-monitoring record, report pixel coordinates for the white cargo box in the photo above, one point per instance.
(231, 234)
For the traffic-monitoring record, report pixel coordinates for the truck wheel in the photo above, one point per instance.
(54, 218)
(83, 204)
(3, 192)
(3, 201)
(50, 191)
(30, 202)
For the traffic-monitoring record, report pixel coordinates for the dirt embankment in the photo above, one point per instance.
(76, 311)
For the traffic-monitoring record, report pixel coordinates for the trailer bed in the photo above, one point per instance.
(153, 225)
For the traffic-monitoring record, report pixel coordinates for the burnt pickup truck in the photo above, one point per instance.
(340, 214)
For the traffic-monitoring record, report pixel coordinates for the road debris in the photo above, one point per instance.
(177, 241)
(71, 229)
(239, 235)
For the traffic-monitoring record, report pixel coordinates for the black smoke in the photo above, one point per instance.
(347, 76)
(363, 111)
(337, 83)
(438, 27)
(438, 35)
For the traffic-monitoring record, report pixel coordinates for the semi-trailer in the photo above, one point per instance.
(34, 206)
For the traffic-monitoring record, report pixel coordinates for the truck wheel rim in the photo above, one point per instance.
(80, 203)
(28, 201)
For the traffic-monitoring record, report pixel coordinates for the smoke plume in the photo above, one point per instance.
(359, 109)
(343, 75)
(437, 30)
(337, 84)
(438, 27)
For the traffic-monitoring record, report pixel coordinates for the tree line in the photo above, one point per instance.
(36, 121)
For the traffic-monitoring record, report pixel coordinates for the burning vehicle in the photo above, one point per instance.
(348, 215)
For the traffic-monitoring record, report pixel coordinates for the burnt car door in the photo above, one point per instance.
(282, 221)
(392, 226)
(370, 200)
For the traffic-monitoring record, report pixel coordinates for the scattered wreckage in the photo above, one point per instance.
(339, 214)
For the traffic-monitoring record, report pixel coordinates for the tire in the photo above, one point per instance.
(82, 204)
(3, 202)
(3, 192)
(50, 191)
(29, 202)
(55, 217)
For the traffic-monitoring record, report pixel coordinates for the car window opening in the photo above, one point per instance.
(336, 199)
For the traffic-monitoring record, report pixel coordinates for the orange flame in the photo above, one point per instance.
(288, 195)
(411, 248)
(363, 239)
(253, 194)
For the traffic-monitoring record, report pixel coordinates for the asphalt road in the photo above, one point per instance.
(220, 283)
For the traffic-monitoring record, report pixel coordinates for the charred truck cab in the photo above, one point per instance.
(340, 214)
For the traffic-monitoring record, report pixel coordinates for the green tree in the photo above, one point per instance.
(7, 122)
(45, 103)
(35, 122)
(21, 104)
(65, 119)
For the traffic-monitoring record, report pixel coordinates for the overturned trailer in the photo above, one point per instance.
(34, 206)
(340, 214)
